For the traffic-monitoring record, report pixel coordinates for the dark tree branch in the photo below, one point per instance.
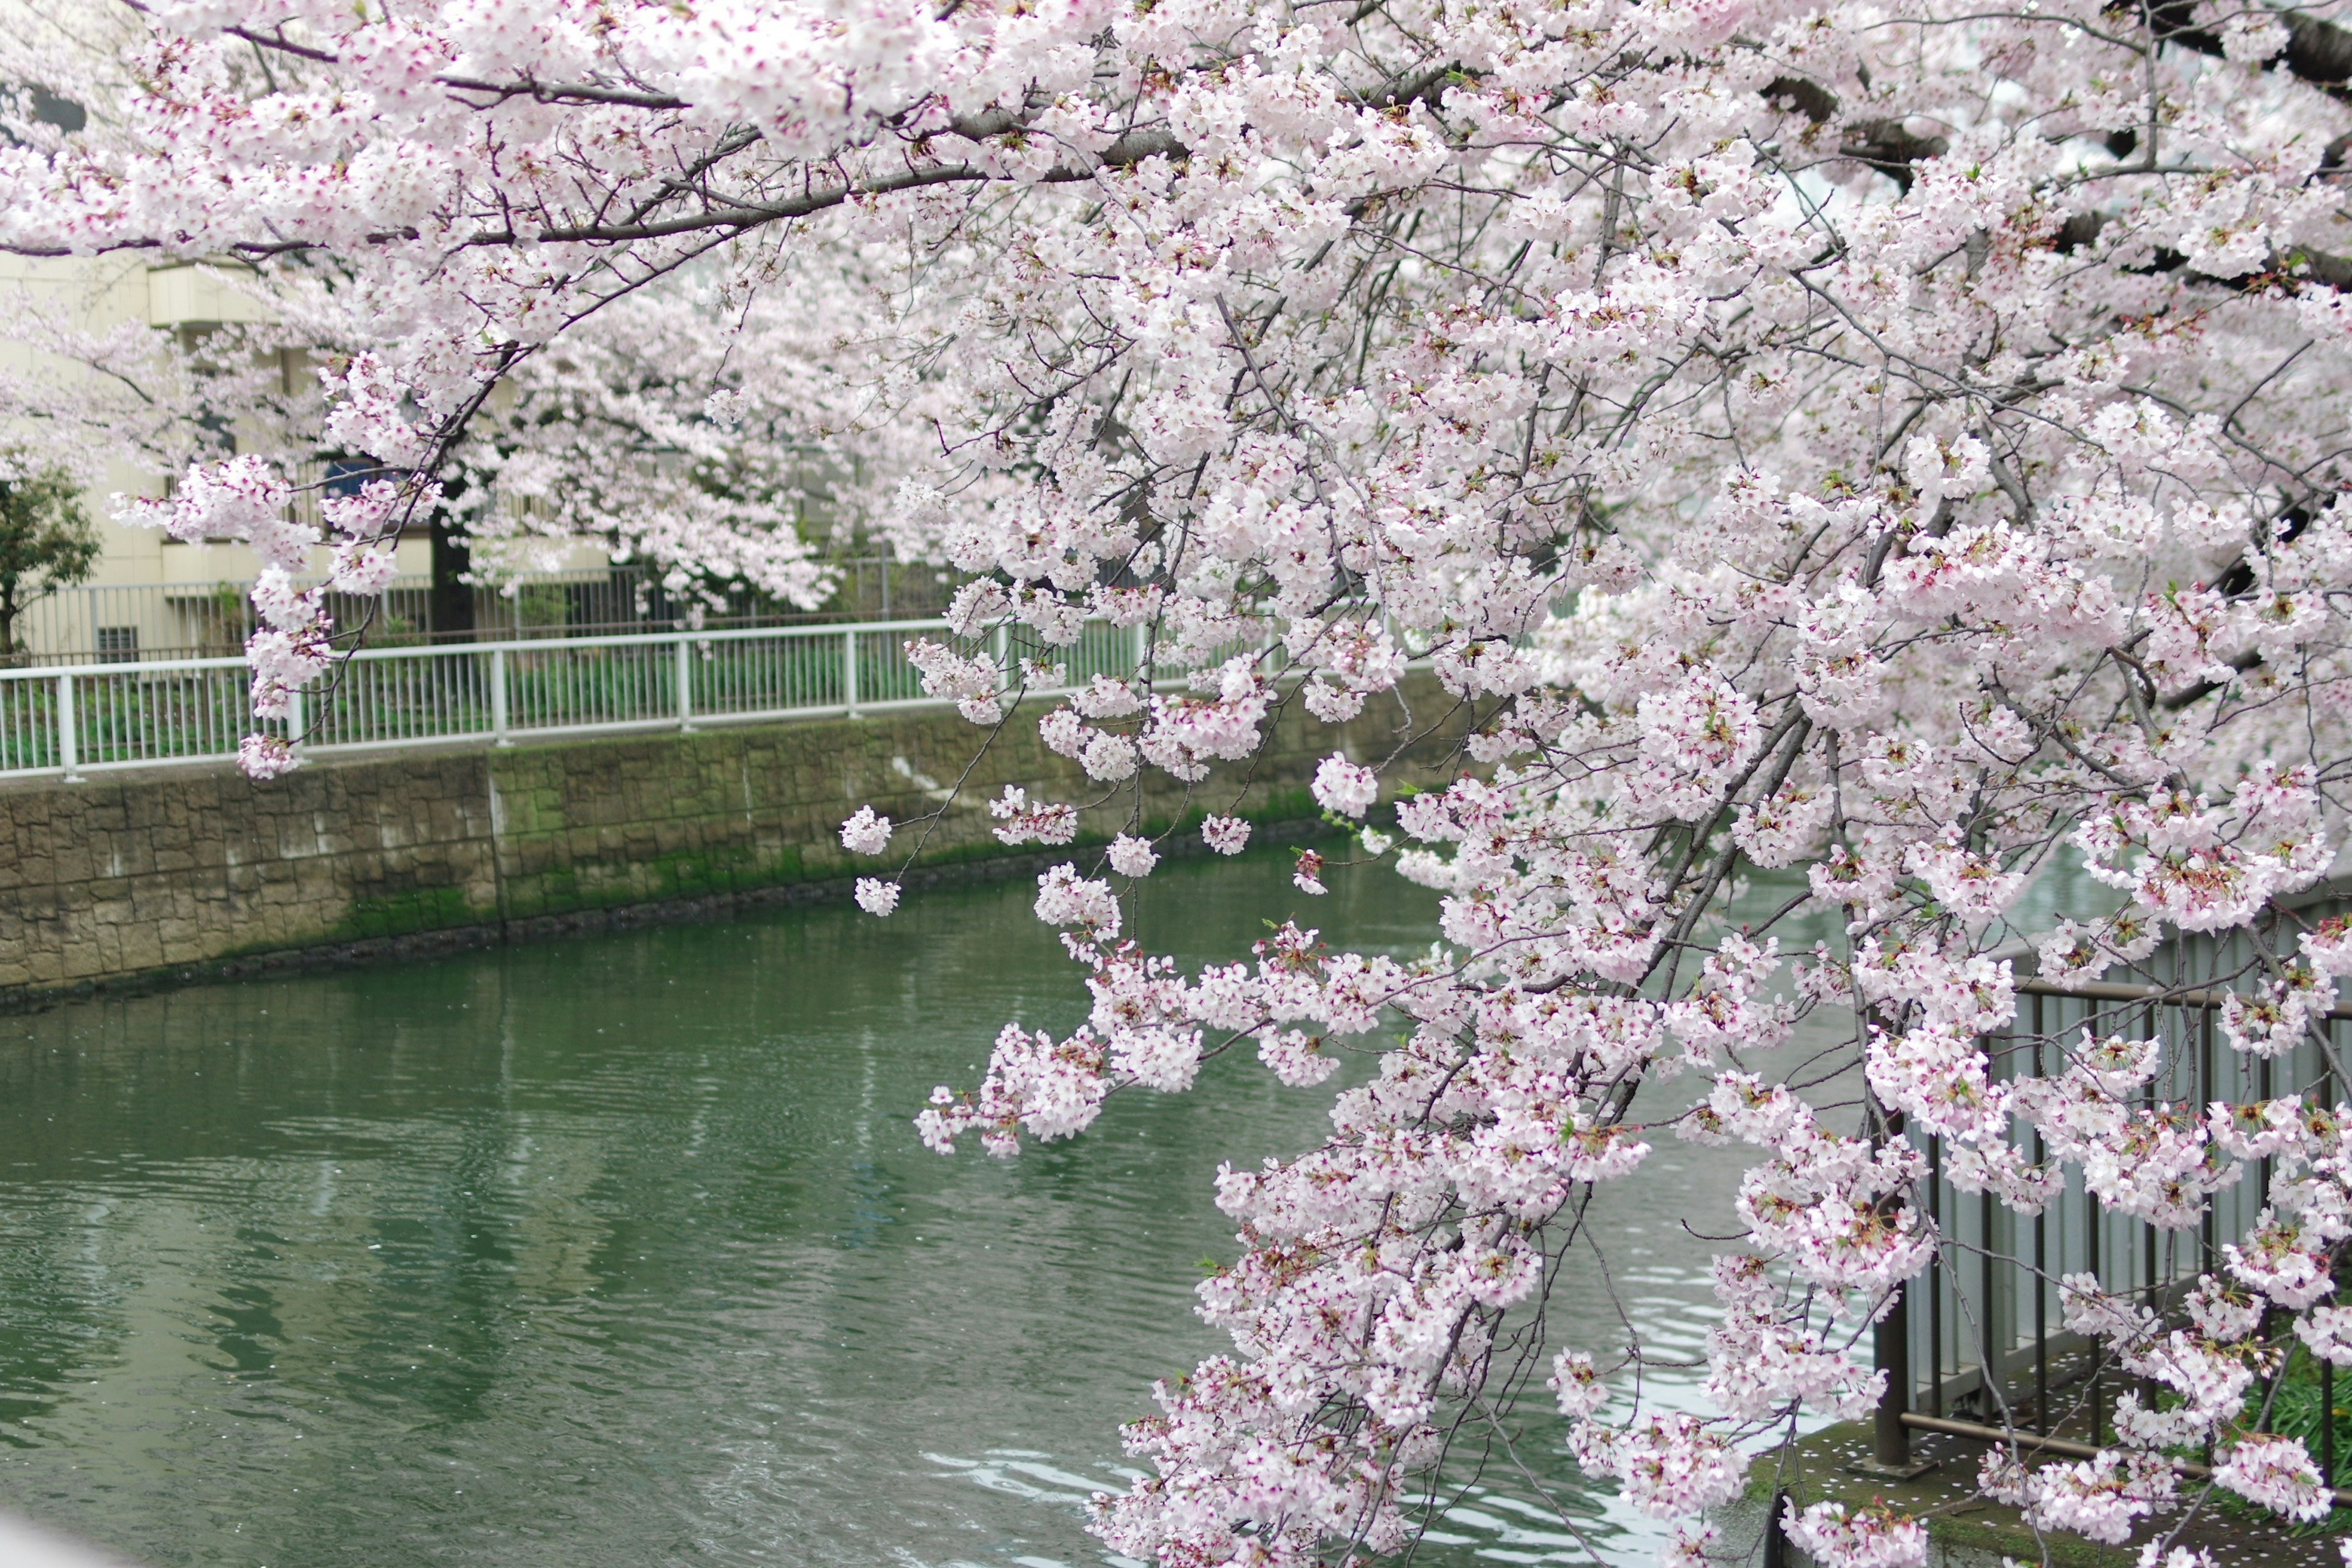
(1880, 144)
(538, 91)
(2316, 51)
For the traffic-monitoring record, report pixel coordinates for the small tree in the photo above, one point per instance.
(46, 540)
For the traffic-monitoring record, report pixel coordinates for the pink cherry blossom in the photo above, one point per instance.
(267, 756)
(1225, 834)
(1342, 787)
(1864, 1538)
(866, 833)
(1794, 439)
(2274, 1471)
(2100, 1498)
(1132, 856)
(1026, 822)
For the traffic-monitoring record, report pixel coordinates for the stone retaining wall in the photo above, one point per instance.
(188, 873)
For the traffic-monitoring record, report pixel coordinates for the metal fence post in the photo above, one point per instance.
(1936, 1278)
(69, 729)
(685, 685)
(1891, 1349)
(849, 673)
(294, 718)
(1890, 1345)
(498, 718)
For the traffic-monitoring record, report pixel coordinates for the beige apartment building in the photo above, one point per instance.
(151, 595)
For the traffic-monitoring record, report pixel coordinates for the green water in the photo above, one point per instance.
(622, 1252)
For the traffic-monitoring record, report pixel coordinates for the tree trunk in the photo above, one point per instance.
(450, 603)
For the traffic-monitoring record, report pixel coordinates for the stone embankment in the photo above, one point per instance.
(128, 879)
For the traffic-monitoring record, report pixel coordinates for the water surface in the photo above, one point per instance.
(621, 1251)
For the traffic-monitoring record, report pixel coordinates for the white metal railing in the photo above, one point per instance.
(74, 719)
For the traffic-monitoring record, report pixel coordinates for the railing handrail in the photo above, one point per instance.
(118, 713)
(834, 630)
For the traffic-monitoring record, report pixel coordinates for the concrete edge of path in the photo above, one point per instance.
(24, 1544)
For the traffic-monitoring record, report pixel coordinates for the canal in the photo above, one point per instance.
(621, 1251)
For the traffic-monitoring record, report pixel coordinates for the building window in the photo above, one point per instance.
(118, 644)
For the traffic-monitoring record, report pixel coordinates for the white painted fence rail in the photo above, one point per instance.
(74, 719)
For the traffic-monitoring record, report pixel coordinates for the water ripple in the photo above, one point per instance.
(621, 1251)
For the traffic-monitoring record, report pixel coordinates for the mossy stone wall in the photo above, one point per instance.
(188, 872)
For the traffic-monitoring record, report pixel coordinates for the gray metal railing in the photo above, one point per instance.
(77, 718)
(1982, 1334)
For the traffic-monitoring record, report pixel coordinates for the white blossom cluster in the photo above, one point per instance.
(1889, 452)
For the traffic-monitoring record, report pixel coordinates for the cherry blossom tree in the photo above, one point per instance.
(638, 432)
(1897, 453)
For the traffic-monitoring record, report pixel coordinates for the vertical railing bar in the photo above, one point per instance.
(1890, 1345)
(68, 728)
(500, 725)
(1936, 1288)
(2327, 1423)
(2153, 1286)
(2205, 1098)
(2328, 1367)
(2040, 1266)
(1989, 1324)
(2098, 1277)
(2262, 1167)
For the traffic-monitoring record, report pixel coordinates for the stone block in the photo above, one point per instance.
(181, 868)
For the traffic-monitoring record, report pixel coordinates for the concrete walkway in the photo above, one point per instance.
(24, 1544)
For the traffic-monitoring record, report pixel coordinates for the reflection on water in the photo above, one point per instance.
(622, 1252)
